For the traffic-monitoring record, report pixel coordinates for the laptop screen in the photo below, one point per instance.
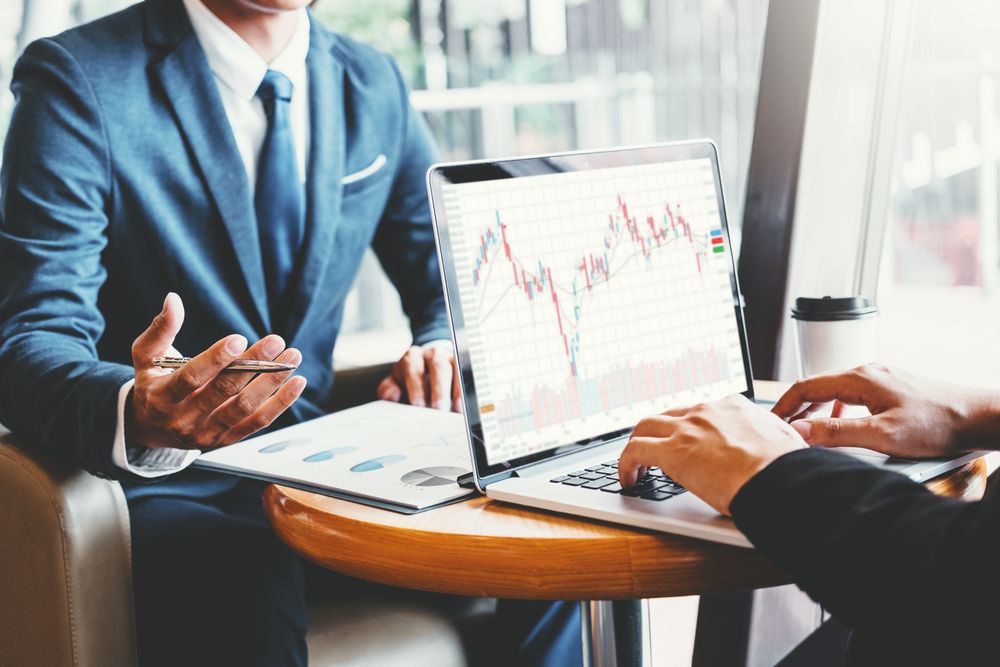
(587, 291)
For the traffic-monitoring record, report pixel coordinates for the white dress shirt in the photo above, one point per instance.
(238, 71)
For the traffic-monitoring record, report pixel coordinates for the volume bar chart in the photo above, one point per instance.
(594, 298)
(547, 406)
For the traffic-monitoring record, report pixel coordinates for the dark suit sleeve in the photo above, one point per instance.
(913, 574)
(404, 241)
(56, 188)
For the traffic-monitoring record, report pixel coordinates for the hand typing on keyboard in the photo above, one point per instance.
(711, 449)
(653, 485)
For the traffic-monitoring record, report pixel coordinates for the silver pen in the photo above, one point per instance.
(249, 365)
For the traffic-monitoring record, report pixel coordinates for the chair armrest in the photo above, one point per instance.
(65, 564)
(356, 386)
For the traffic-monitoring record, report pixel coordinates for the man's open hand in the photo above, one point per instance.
(711, 449)
(912, 416)
(426, 377)
(198, 406)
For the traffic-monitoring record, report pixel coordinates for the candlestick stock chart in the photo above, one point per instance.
(593, 299)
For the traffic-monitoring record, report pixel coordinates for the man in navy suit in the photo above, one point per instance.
(238, 158)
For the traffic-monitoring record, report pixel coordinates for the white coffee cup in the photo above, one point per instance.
(834, 333)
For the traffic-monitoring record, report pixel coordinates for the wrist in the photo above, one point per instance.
(133, 428)
(981, 427)
(754, 466)
(137, 432)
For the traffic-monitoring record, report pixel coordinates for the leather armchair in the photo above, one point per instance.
(66, 588)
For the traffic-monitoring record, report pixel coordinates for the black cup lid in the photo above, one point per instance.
(829, 309)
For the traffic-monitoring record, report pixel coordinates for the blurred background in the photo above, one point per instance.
(504, 77)
(938, 285)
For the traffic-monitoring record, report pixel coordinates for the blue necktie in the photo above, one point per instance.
(278, 196)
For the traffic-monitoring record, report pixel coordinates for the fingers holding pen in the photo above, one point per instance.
(198, 405)
(244, 405)
(222, 386)
(158, 338)
(266, 412)
(187, 380)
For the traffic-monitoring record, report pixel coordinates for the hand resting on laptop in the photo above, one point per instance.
(912, 416)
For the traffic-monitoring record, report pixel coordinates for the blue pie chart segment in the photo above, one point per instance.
(327, 454)
(283, 445)
(378, 463)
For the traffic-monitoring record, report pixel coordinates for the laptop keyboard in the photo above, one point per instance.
(654, 485)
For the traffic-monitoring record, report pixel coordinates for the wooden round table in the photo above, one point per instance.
(484, 548)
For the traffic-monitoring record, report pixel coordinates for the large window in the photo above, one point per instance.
(938, 284)
(531, 76)
(897, 191)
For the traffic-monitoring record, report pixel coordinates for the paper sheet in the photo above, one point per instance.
(384, 451)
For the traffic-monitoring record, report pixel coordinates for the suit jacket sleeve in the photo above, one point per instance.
(404, 241)
(913, 574)
(56, 188)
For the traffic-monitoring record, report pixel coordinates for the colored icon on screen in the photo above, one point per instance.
(718, 244)
(378, 463)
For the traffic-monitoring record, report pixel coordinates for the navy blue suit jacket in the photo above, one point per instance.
(122, 181)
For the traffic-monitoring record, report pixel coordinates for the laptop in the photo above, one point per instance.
(588, 290)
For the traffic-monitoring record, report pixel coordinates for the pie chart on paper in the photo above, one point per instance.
(284, 444)
(327, 454)
(378, 463)
(434, 476)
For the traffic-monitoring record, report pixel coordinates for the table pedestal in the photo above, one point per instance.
(616, 633)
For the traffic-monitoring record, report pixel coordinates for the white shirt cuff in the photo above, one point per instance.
(146, 461)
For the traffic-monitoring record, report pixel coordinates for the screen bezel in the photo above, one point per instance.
(486, 170)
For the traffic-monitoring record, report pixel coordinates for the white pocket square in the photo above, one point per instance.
(376, 164)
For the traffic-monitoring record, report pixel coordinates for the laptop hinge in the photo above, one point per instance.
(468, 480)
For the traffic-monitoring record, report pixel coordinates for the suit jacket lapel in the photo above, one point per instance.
(328, 129)
(193, 94)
